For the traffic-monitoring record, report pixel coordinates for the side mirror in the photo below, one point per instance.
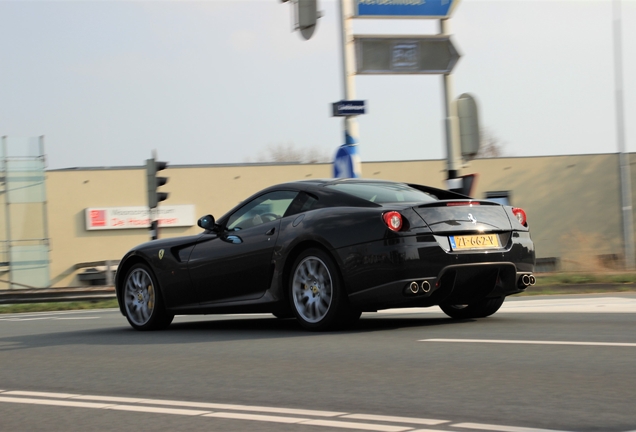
(207, 222)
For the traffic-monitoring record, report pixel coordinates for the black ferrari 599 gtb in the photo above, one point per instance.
(324, 251)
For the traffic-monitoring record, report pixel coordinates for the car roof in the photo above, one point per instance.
(329, 181)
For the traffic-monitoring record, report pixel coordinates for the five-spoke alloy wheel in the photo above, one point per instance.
(317, 294)
(142, 300)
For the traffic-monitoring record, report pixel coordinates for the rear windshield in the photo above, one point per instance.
(384, 193)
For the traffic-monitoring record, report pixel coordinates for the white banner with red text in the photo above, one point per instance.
(110, 218)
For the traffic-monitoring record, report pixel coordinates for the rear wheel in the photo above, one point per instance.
(143, 303)
(317, 295)
(478, 309)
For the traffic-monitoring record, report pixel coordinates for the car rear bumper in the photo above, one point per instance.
(379, 274)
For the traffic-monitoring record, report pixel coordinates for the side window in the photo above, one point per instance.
(302, 203)
(264, 208)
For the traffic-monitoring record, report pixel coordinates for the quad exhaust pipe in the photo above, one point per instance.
(527, 280)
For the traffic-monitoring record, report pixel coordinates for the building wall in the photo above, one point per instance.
(571, 201)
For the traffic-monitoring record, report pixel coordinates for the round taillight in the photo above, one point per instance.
(393, 220)
(520, 215)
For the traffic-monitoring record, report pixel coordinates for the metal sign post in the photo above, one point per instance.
(451, 121)
(348, 68)
(625, 176)
(392, 54)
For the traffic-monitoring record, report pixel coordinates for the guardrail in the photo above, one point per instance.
(46, 295)
(97, 270)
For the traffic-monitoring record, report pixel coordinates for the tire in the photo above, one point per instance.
(317, 295)
(479, 309)
(143, 303)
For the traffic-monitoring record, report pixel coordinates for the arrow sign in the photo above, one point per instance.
(405, 54)
(438, 9)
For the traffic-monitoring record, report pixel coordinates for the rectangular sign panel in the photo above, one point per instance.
(405, 54)
(348, 108)
(438, 9)
(112, 218)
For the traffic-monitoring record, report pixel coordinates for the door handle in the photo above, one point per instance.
(271, 232)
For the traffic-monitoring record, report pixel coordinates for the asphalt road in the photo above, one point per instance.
(551, 363)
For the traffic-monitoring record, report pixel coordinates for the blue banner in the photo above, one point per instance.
(347, 162)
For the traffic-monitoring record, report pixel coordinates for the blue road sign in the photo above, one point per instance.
(400, 8)
(348, 108)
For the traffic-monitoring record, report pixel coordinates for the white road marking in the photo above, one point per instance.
(54, 402)
(156, 410)
(109, 399)
(75, 318)
(213, 406)
(411, 420)
(428, 430)
(498, 428)
(360, 426)
(242, 408)
(256, 417)
(168, 407)
(531, 342)
(40, 394)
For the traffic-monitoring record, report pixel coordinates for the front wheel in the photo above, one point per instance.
(143, 303)
(317, 295)
(478, 309)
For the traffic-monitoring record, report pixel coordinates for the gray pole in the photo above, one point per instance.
(348, 69)
(451, 120)
(626, 183)
(7, 206)
(45, 212)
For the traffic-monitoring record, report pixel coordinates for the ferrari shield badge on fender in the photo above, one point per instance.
(161, 254)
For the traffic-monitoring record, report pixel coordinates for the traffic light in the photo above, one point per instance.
(152, 167)
(307, 14)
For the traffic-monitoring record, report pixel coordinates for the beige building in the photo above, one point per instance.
(572, 202)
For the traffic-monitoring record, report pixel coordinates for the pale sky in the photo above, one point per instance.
(217, 81)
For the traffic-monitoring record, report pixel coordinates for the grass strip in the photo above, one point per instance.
(585, 278)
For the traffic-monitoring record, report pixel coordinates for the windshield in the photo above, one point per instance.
(384, 193)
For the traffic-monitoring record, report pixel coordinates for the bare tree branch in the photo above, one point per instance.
(490, 145)
(288, 152)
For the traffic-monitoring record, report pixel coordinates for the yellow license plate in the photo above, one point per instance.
(482, 241)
